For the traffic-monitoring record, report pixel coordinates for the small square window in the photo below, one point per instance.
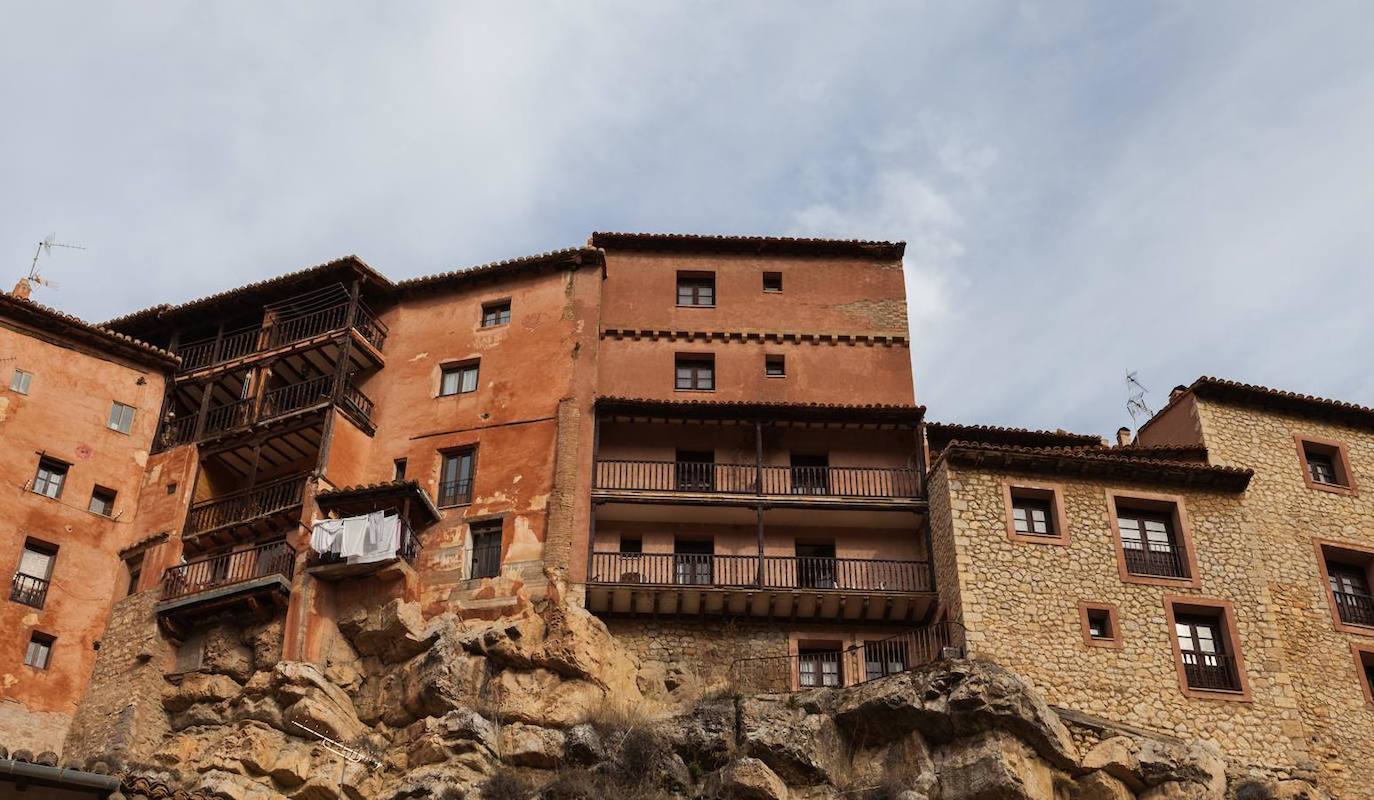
(1100, 628)
(20, 381)
(496, 313)
(1364, 662)
(696, 289)
(695, 373)
(1035, 514)
(458, 379)
(49, 479)
(398, 469)
(40, 650)
(775, 366)
(486, 550)
(121, 417)
(772, 281)
(171, 488)
(1031, 516)
(102, 501)
(1326, 465)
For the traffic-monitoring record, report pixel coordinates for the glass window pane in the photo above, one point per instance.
(469, 379)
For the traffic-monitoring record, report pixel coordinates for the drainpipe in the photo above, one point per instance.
(105, 784)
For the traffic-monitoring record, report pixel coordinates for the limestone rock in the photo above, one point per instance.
(314, 702)
(227, 786)
(582, 745)
(291, 767)
(394, 631)
(993, 766)
(257, 748)
(264, 639)
(438, 782)
(1142, 763)
(224, 653)
(901, 766)
(198, 715)
(1099, 785)
(947, 700)
(532, 746)
(802, 748)
(707, 735)
(198, 687)
(442, 679)
(745, 779)
(542, 697)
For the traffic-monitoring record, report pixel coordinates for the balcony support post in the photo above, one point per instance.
(930, 553)
(759, 579)
(207, 389)
(346, 345)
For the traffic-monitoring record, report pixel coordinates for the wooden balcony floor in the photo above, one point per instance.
(797, 605)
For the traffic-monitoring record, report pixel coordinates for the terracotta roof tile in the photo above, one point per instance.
(57, 321)
(1106, 463)
(911, 414)
(1277, 399)
(748, 245)
(939, 434)
(570, 255)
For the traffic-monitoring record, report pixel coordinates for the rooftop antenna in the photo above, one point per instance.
(1135, 399)
(46, 246)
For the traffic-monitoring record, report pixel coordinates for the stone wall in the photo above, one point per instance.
(686, 655)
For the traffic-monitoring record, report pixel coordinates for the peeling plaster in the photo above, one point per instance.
(4, 408)
(418, 357)
(141, 458)
(524, 546)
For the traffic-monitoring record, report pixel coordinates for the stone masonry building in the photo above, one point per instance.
(712, 444)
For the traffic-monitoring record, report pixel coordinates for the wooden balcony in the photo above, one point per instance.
(246, 343)
(784, 587)
(251, 583)
(333, 567)
(805, 485)
(257, 508)
(277, 404)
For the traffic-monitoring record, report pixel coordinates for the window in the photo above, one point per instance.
(398, 469)
(693, 561)
(1326, 465)
(695, 470)
(772, 281)
(51, 475)
(631, 547)
(1153, 545)
(696, 373)
(1035, 513)
(816, 565)
(134, 566)
(810, 474)
(102, 501)
(696, 289)
(121, 417)
(486, 550)
(818, 667)
(1205, 647)
(455, 477)
(19, 382)
(1100, 628)
(495, 313)
(40, 650)
(171, 488)
(884, 657)
(1346, 571)
(458, 379)
(1364, 667)
(30, 583)
(774, 366)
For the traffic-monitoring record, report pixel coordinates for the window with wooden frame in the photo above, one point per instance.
(696, 289)
(102, 501)
(30, 583)
(772, 282)
(398, 469)
(39, 653)
(694, 373)
(1347, 574)
(820, 665)
(1035, 512)
(486, 549)
(1100, 625)
(775, 366)
(1364, 668)
(457, 468)
(133, 567)
(1206, 648)
(1325, 465)
(495, 313)
(19, 382)
(121, 417)
(458, 378)
(1153, 541)
(50, 477)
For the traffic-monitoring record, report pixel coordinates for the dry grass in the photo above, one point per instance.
(505, 785)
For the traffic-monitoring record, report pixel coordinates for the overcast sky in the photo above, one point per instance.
(1171, 188)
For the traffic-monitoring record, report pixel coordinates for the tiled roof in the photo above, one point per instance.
(101, 336)
(1105, 463)
(364, 492)
(748, 245)
(764, 409)
(939, 434)
(570, 255)
(1276, 399)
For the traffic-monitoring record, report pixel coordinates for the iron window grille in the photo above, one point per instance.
(486, 550)
(1206, 663)
(455, 477)
(1150, 545)
(1350, 590)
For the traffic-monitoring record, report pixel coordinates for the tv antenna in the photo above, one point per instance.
(1135, 399)
(46, 246)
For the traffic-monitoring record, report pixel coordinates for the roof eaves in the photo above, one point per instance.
(1081, 462)
(570, 256)
(748, 245)
(101, 336)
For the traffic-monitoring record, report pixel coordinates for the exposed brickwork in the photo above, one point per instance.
(888, 314)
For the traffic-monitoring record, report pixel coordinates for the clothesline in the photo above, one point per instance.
(358, 540)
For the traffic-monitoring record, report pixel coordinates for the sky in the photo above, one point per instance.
(1172, 189)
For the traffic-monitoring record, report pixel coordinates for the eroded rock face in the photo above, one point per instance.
(394, 631)
(1153, 764)
(801, 747)
(746, 779)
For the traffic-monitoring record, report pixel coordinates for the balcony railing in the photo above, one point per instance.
(1355, 609)
(29, 590)
(849, 666)
(259, 338)
(276, 403)
(260, 501)
(408, 547)
(455, 493)
(770, 572)
(1155, 562)
(1211, 672)
(227, 569)
(698, 476)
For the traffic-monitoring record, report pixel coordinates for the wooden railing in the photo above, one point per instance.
(269, 498)
(1211, 671)
(1170, 563)
(296, 396)
(455, 493)
(358, 403)
(226, 569)
(276, 403)
(1355, 609)
(247, 341)
(699, 476)
(772, 572)
(29, 590)
(849, 666)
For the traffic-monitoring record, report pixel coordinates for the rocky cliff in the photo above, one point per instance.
(547, 705)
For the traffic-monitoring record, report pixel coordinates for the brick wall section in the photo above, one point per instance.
(558, 542)
(888, 314)
(1020, 603)
(122, 708)
(1283, 517)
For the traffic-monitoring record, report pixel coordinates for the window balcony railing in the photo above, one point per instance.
(29, 590)
(1355, 609)
(227, 569)
(707, 477)
(247, 505)
(274, 404)
(1157, 562)
(770, 572)
(1211, 672)
(455, 493)
(261, 338)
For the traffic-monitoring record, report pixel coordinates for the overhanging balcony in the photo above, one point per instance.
(254, 511)
(274, 405)
(785, 587)
(804, 485)
(282, 334)
(255, 582)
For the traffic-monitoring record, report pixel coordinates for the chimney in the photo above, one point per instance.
(1123, 437)
(1176, 391)
(22, 289)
